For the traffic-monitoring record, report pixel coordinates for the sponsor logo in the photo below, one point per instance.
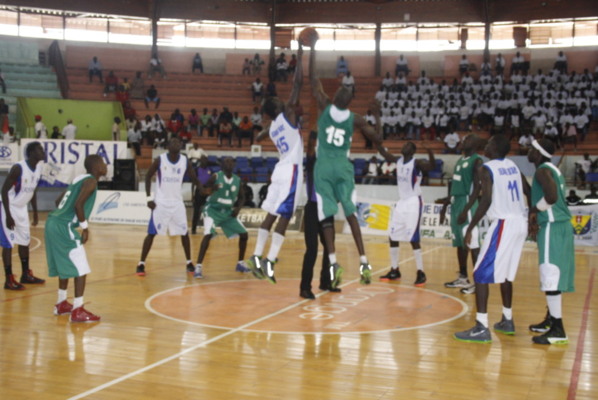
(582, 224)
(109, 203)
(5, 152)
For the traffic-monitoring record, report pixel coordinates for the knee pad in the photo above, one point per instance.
(553, 293)
(549, 277)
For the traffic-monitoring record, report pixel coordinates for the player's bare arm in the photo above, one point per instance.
(148, 182)
(484, 205)
(368, 131)
(264, 133)
(426, 165)
(11, 179)
(88, 187)
(34, 208)
(293, 101)
(316, 86)
(384, 153)
(475, 192)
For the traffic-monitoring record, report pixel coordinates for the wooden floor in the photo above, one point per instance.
(229, 336)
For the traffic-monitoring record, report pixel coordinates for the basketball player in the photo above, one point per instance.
(64, 245)
(407, 212)
(464, 191)
(555, 240)
(168, 210)
(286, 179)
(18, 190)
(222, 208)
(333, 172)
(503, 188)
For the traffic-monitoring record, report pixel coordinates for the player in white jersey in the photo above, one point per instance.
(286, 179)
(18, 190)
(168, 210)
(503, 188)
(406, 214)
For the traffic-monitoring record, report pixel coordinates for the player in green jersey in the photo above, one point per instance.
(333, 173)
(550, 223)
(64, 244)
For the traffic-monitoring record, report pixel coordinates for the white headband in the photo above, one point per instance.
(541, 149)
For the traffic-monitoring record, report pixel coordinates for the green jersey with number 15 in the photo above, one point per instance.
(334, 138)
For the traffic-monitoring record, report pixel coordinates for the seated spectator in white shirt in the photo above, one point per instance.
(195, 153)
(371, 176)
(349, 82)
(402, 66)
(552, 133)
(561, 63)
(499, 124)
(428, 127)
(451, 143)
(539, 123)
(257, 90)
(463, 65)
(499, 64)
(525, 143)
(387, 81)
(581, 123)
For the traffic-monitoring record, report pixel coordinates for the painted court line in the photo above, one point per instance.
(204, 343)
(581, 341)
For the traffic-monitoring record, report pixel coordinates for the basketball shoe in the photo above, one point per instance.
(506, 326)
(420, 279)
(12, 284)
(80, 314)
(64, 307)
(254, 264)
(478, 334)
(242, 267)
(190, 267)
(555, 335)
(267, 268)
(460, 282)
(198, 272)
(393, 275)
(31, 279)
(468, 290)
(140, 271)
(543, 326)
(365, 270)
(326, 286)
(336, 275)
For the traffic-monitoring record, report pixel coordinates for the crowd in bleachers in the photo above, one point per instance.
(556, 105)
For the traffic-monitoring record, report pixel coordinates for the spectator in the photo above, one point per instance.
(40, 129)
(176, 122)
(122, 95)
(116, 129)
(95, 68)
(451, 143)
(518, 63)
(204, 121)
(152, 96)
(204, 173)
(159, 131)
(525, 142)
(248, 194)
(570, 135)
(402, 66)
(271, 89)
(552, 133)
(349, 82)
(245, 130)
(185, 135)
(155, 65)
(257, 90)
(129, 111)
(592, 196)
(463, 65)
(428, 126)
(388, 172)
(111, 83)
(69, 131)
(371, 120)
(292, 64)
(236, 121)
(257, 63)
(341, 67)
(486, 68)
(499, 65)
(583, 167)
(56, 133)
(371, 176)
(213, 124)
(225, 115)
(197, 64)
(573, 199)
(498, 127)
(134, 139)
(195, 154)
(2, 82)
(137, 91)
(193, 122)
(539, 123)
(126, 85)
(246, 70)
(256, 119)
(281, 68)
(225, 131)
(561, 63)
(582, 123)
(3, 113)
(387, 82)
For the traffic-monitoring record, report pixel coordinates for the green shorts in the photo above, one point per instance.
(334, 183)
(556, 257)
(64, 252)
(458, 203)
(216, 217)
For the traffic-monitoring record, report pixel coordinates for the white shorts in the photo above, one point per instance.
(283, 192)
(499, 257)
(21, 234)
(168, 219)
(405, 219)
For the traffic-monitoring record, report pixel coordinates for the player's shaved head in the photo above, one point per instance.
(342, 98)
(92, 161)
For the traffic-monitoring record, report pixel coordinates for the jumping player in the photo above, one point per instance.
(286, 179)
(406, 214)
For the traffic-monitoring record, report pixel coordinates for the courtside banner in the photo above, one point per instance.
(374, 219)
(65, 158)
(253, 217)
(584, 220)
(120, 207)
(9, 155)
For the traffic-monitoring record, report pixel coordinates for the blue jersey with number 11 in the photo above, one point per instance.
(507, 190)
(288, 141)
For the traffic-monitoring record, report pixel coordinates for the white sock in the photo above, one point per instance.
(275, 245)
(419, 261)
(363, 259)
(61, 296)
(507, 312)
(332, 258)
(482, 318)
(555, 306)
(78, 302)
(141, 263)
(262, 238)
(394, 257)
(189, 262)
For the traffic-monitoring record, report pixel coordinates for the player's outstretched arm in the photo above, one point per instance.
(384, 153)
(427, 165)
(297, 84)
(367, 130)
(316, 86)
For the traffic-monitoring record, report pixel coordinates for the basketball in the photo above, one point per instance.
(307, 35)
